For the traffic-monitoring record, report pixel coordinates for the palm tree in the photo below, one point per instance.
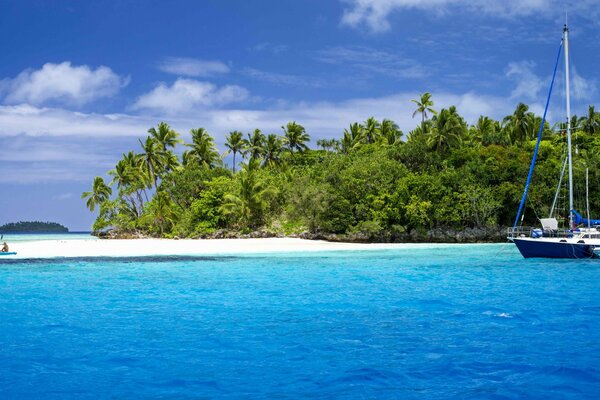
(150, 161)
(236, 144)
(250, 201)
(371, 131)
(272, 150)
(161, 211)
(256, 142)
(351, 138)
(164, 136)
(424, 105)
(516, 125)
(170, 161)
(126, 179)
(484, 131)
(203, 149)
(591, 123)
(448, 130)
(295, 137)
(99, 194)
(390, 132)
(327, 144)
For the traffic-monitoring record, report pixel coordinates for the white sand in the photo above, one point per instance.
(150, 247)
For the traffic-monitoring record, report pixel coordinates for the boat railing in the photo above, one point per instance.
(537, 232)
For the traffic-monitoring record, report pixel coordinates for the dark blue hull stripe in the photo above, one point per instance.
(535, 248)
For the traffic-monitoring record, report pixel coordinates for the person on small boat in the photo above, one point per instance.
(4, 248)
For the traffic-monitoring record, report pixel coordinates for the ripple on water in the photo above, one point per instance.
(420, 322)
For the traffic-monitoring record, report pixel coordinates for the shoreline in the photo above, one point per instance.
(80, 248)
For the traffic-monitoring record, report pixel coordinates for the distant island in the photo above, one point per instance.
(33, 227)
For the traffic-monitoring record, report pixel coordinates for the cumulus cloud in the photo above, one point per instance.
(373, 14)
(186, 95)
(62, 83)
(192, 67)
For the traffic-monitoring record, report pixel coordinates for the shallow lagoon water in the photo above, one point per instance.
(31, 237)
(460, 321)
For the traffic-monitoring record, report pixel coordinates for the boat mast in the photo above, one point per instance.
(567, 88)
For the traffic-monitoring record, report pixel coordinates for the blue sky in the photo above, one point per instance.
(80, 82)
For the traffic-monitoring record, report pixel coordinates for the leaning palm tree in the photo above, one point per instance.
(99, 194)
(164, 136)
(424, 105)
(151, 161)
(295, 137)
(236, 144)
(124, 175)
(203, 150)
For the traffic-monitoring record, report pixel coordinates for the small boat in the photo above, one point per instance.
(549, 241)
(8, 253)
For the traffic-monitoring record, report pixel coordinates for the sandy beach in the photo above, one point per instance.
(151, 247)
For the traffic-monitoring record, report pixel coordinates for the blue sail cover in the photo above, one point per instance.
(579, 220)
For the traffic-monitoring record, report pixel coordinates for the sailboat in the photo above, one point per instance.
(549, 241)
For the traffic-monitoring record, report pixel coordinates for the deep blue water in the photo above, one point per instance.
(441, 322)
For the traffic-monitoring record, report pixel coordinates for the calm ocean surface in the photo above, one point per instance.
(28, 237)
(469, 321)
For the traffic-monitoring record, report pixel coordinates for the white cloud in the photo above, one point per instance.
(62, 196)
(54, 145)
(281, 79)
(528, 84)
(63, 83)
(188, 95)
(373, 60)
(192, 67)
(326, 118)
(373, 14)
(530, 87)
(36, 121)
(270, 47)
(582, 88)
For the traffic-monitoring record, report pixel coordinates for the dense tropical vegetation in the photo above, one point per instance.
(373, 180)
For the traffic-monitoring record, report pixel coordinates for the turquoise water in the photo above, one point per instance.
(28, 237)
(430, 322)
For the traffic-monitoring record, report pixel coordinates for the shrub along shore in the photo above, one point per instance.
(444, 181)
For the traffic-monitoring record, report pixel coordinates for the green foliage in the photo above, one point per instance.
(369, 182)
